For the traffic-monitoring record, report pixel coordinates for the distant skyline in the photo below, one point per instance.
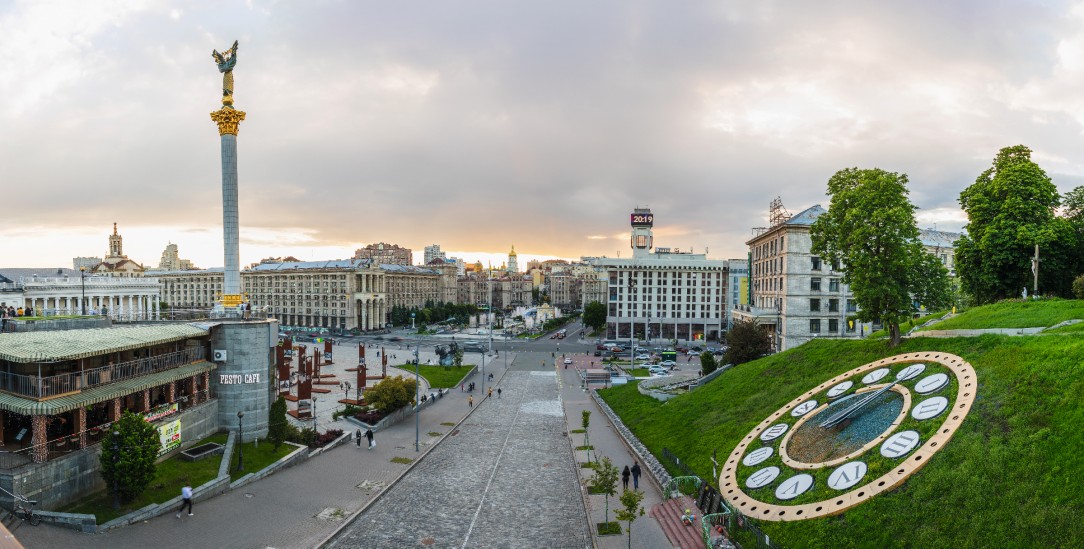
(481, 125)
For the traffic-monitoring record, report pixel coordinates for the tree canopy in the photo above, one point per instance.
(870, 229)
(594, 316)
(746, 341)
(128, 455)
(1011, 207)
(391, 393)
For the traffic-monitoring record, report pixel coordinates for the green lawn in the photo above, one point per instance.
(172, 475)
(1077, 328)
(1014, 314)
(1008, 478)
(443, 377)
(257, 457)
(637, 372)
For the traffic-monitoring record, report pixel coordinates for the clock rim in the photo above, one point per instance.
(737, 499)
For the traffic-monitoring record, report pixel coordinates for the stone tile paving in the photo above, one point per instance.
(505, 480)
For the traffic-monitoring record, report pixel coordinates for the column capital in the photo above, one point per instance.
(228, 120)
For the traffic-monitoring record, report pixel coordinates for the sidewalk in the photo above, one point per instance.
(646, 531)
(296, 507)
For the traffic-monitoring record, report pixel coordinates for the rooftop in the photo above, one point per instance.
(53, 346)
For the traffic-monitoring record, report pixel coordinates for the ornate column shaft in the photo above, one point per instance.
(228, 120)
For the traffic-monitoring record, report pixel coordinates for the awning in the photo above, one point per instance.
(57, 345)
(103, 393)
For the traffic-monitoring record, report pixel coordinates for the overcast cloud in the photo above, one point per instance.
(482, 125)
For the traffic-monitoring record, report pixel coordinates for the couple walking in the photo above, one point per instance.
(635, 473)
(368, 435)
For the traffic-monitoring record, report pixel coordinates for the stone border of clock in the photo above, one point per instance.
(731, 489)
(795, 464)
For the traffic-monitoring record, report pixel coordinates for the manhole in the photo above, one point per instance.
(428, 541)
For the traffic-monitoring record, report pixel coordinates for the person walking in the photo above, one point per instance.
(470, 401)
(357, 437)
(625, 477)
(369, 436)
(490, 393)
(635, 476)
(186, 500)
(498, 393)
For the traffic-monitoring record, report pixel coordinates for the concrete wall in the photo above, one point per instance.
(198, 423)
(243, 381)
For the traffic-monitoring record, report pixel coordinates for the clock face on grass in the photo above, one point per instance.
(850, 438)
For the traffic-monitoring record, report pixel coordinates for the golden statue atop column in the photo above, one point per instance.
(227, 118)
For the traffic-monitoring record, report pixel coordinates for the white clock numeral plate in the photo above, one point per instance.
(762, 477)
(875, 376)
(931, 383)
(794, 486)
(757, 456)
(774, 432)
(931, 407)
(804, 408)
(847, 475)
(840, 389)
(900, 444)
(910, 372)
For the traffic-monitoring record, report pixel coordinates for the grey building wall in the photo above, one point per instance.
(243, 381)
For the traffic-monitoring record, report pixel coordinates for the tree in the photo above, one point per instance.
(631, 510)
(594, 316)
(707, 362)
(391, 394)
(585, 421)
(276, 422)
(128, 455)
(1078, 287)
(1010, 208)
(870, 229)
(605, 481)
(746, 341)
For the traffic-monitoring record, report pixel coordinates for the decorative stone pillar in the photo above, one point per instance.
(81, 425)
(39, 439)
(228, 119)
(171, 391)
(146, 400)
(114, 410)
(192, 390)
(207, 385)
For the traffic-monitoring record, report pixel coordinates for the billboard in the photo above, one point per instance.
(170, 435)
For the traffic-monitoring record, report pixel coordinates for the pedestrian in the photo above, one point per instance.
(635, 476)
(186, 500)
(461, 388)
(498, 392)
(470, 401)
(490, 392)
(357, 438)
(369, 435)
(625, 477)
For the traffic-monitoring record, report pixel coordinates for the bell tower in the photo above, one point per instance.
(116, 244)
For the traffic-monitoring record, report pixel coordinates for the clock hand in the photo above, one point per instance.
(856, 408)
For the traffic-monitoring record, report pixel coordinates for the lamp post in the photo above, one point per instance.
(83, 286)
(241, 440)
(632, 322)
(411, 321)
(314, 420)
(116, 457)
(417, 400)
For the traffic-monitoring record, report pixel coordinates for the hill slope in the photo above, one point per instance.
(1009, 477)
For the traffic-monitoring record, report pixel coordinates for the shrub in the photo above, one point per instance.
(391, 394)
(131, 465)
(1078, 287)
(277, 426)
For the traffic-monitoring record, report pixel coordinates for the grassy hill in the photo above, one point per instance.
(1010, 477)
(1014, 314)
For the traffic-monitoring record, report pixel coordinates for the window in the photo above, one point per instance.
(833, 305)
(835, 264)
(816, 263)
(833, 325)
(815, 325)
(815, 284)
(815, 305)
(851, 307)
(833, 284)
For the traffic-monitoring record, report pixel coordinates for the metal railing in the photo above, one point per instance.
(50, 386)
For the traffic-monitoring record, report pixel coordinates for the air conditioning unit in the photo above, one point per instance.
(220, 355)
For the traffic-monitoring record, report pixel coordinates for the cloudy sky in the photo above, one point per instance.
(481, 125)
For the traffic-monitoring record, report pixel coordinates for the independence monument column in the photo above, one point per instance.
(228, 120)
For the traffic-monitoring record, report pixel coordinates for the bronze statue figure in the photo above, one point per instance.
(226, 60)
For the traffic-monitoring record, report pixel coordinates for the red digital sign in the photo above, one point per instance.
(642, 220)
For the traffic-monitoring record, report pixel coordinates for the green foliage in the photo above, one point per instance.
(585, 419)
(1017, 447)
(746, 341)
(594, 315)
(630, 509)
(257, 457)
(1014, 313)
(870, 229)
(707, 362)
(391, 393)
(457, 358)
(1078, 287)
(131, 464)
(348, 411)
(605, 481)
(444, 377)
(1011, 208)
(402, 460)
(432, 312)
(608, 528)
(276, 422)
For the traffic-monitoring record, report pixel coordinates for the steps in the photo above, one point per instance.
(669, 512)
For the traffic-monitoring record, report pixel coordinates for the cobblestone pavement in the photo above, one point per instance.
(506, 479)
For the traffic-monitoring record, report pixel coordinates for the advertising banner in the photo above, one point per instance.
(170, 435)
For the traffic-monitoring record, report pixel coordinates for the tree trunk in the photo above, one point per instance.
(893, 334)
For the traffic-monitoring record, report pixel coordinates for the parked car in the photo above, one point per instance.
(658, 371)
(643, 357)
(568, 361)
(668, 363)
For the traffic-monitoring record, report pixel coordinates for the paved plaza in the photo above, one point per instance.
(505, 479)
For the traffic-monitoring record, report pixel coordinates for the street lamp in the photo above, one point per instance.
(411, 321)
(632, 322)
(417, 400)
(314, 420)
(241, 440)
(83, 285)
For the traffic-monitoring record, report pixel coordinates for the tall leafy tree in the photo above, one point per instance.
(594, 316)
(277, 425)
(1010, 208)
(870, 228)
(746, 341)
(128, 455)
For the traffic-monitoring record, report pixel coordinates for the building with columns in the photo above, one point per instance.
(54, 292)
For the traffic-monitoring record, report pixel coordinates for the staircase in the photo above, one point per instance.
(669, 512)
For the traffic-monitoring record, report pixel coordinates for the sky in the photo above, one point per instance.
(490, 124)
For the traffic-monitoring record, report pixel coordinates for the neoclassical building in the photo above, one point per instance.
(71, 293)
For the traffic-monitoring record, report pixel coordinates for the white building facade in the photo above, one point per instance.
(120, 298)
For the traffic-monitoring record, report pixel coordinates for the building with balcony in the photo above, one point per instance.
(54, 292)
